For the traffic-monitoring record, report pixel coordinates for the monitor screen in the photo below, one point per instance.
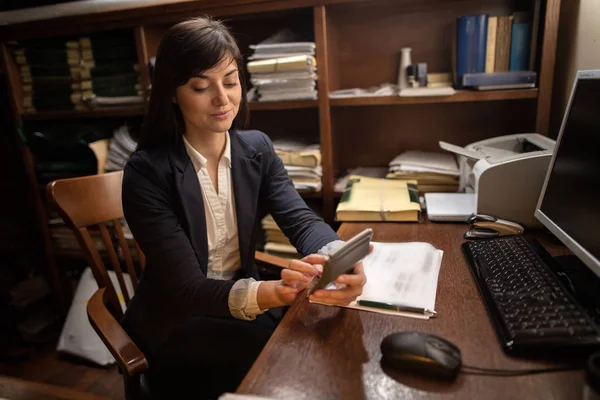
(569, 204)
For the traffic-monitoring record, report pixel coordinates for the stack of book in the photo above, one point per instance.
(497, 52)
(374, 199)
(50, 72)
(111, 69)
(282, 69)
(276, 243)
(433, 172)
(79, 73)
(302, 162)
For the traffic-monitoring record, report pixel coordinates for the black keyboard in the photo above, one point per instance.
(529, 306)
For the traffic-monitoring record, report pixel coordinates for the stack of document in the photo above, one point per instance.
(434, 172)
(283, 70)
(276, 243)
(302, 162)
(122, 145)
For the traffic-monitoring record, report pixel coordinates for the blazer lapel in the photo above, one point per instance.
(192, 203)
(246, 176)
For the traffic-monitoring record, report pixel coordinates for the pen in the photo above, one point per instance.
(395, 307)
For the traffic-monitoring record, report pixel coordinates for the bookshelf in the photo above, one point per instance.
(358, 44)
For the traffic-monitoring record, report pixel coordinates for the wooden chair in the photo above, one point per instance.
(93, 204)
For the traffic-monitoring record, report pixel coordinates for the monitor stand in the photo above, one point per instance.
(583, 284)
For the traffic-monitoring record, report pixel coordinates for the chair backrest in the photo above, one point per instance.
(91, 205)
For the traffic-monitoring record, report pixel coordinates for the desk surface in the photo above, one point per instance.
(321, 352)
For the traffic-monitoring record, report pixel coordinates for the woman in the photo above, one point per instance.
(193, 195)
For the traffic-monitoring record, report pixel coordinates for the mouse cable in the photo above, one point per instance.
(468, 369)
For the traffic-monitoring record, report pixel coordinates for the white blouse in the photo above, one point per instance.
(222, 233)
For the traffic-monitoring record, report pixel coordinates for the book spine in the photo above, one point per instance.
(471, 44)
(520, 42)
(503, 37)
(490, 51)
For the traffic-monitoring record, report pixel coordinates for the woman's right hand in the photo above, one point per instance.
(297, 276)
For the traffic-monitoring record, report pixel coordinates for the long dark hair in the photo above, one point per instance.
(186, 50)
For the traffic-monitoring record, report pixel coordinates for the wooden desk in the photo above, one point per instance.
(321, 352)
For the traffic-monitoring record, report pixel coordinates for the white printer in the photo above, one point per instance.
(506, 174)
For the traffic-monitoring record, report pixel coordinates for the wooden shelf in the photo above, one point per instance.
(461, 96)
(281, 105)
(105, 112)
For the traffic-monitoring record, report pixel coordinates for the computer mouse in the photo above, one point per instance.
(421, 352)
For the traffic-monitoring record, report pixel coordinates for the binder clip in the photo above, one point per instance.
(482, 226)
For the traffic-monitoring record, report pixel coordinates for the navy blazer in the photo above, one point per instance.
(163, 206)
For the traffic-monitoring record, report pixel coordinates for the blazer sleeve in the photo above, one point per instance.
(172, 264)
(306, 231)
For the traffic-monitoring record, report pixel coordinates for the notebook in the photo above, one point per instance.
(450, 206)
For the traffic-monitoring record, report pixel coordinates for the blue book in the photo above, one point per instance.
(471, 44)
(520, 42)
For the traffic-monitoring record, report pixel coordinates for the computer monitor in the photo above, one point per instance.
(569, 204)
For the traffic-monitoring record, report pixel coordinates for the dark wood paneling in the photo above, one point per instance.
(13, 82)
(153, 35)
(142, 56)
(321, 352)
(370, 35)
(546, 80)
(298, 124)
(322, 43)
(373, 136)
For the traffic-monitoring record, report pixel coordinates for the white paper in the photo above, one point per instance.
(426, 159)
(403, 274)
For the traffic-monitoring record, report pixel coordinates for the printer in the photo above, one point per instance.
(505, 173)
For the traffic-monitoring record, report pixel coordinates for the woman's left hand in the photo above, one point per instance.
(353, 287)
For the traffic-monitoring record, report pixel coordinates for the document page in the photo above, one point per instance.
(404, 274)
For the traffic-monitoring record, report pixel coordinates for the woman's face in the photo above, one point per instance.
(210, 101)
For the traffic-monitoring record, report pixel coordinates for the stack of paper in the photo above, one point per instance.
(276, 242)
(282, 69)
(122, 145)
(302, 162)
(434, 172)
(386, 89)
(402, 276)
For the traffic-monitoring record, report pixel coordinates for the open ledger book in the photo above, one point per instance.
(403, 274)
